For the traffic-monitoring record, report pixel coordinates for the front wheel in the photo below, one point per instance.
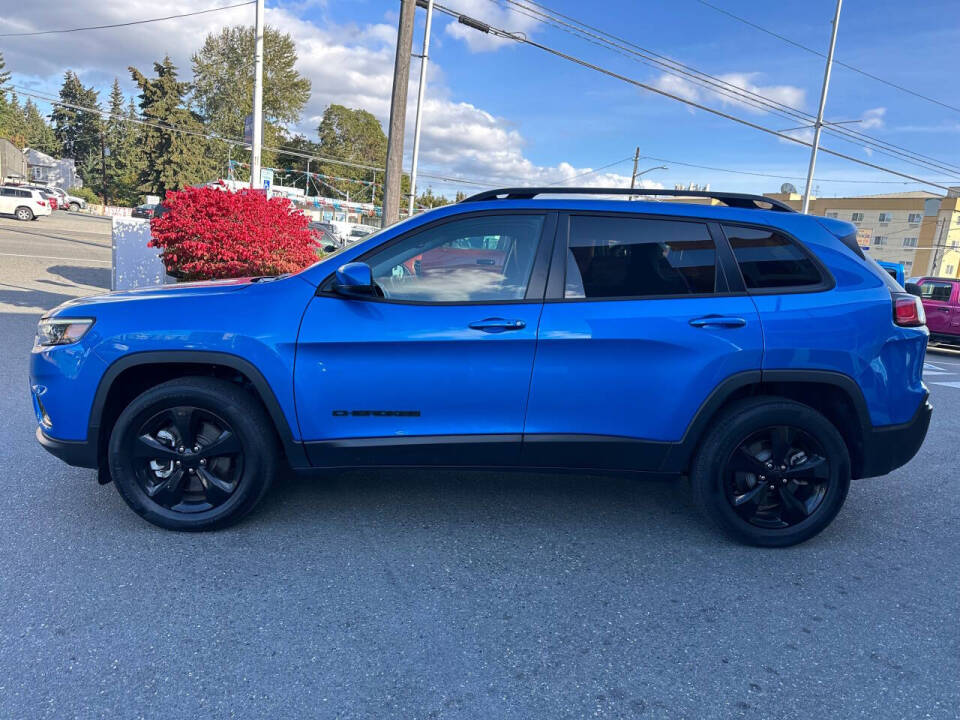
(74, 207)
(771, 472)
(193, 454)
(24, 213)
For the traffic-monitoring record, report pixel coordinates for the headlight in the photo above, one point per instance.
(62, 331)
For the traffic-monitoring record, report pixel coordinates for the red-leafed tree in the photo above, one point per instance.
(209, 233)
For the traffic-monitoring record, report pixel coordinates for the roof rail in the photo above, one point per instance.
(737, 200)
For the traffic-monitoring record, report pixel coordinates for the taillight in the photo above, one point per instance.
(42, 203)
(908, 310)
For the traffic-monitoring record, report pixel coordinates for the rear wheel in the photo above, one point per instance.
(771, 472)
(23, 213)
(193, 454)
(74, 207)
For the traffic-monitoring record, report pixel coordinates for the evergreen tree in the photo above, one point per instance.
(171, 159)
(75, 127)
(6, 113)
(122, 152)
(40, 135)
(14, 127)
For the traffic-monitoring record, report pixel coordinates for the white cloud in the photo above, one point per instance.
(872, 118)
(500, 16)
(348, 64)
(790, 95)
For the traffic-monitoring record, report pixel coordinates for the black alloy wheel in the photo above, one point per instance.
(188, 459)
(771, 471)
(193, 453)
(777, 477)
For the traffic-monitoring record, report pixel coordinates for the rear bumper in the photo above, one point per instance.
(78, 453)
(888, 447)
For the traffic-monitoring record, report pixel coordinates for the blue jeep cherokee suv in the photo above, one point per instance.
(754, 349)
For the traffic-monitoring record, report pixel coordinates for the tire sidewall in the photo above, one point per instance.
(710, 469)
(254, 477)
(23, 214)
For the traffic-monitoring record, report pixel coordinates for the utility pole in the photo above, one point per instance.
(416, 126)
(398, 112)
(257, 98)
(633, 175)
(823, 104)
(306, 180)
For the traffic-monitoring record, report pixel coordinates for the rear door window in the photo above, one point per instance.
(770, 260)
(936, 291)
(627, 257)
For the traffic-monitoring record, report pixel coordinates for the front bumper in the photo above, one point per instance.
(891, 446)
(78, 453)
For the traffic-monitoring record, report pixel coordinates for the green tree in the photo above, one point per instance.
(40, 135)
(6, 114)
(299, 146)
(122, 173)
(14, 127)
(171, 159)
(354, 136)
(77, 127)
(222, 88)
(429, 200)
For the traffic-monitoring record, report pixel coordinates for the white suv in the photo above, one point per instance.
(22, 203)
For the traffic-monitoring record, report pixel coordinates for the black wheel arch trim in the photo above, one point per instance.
(293, 448)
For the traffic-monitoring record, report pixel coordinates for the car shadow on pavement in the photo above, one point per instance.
(568, 502)
(81, 275)
(30, 298)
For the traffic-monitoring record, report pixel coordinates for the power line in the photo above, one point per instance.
(717, 85)
(499, 32)
(242, 143)
(126, 24)
(820, 54)
(591, 172)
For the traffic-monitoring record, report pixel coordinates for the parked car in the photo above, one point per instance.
(68, 201)
(326, 235)
(895, 270)
(941, 302)
(23, 203)
(752, 348)
(149, 210)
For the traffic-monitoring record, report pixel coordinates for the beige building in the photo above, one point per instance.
(918, 229)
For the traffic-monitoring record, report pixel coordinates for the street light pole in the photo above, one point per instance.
(416, 126)
(636, 159)
(823, 104)
(636, 174)
(257, 98)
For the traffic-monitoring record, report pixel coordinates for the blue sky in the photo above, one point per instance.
(508, 113)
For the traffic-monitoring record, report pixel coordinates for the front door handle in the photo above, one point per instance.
(718, 321)
(497, 325)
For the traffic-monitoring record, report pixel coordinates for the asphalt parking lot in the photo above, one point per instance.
(456, 595)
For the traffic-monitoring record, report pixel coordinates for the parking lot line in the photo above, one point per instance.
(53, 257)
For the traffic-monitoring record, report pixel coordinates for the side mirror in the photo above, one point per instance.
(912, 288)
(354, 279)
(330, 248)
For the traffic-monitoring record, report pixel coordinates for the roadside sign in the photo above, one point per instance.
(266, 180)
(864, 236)
(248, 129)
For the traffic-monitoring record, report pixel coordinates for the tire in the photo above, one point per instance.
(208, 486)
(24, 213)
(74, 207)
(738, 486)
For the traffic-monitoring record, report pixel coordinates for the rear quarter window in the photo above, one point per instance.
(770, 260)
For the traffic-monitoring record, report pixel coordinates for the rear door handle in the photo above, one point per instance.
(718, 321)
(497, 325)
